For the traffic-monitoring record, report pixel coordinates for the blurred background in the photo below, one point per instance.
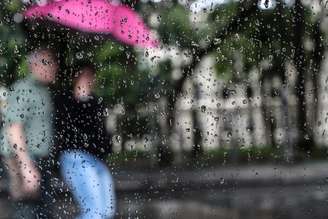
(226, 119)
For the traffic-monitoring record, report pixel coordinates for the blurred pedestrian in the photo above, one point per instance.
(84, 142)
(12, 169)
(28, 136)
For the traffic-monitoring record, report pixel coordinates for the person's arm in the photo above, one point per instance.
(30, 174)
(16, 112)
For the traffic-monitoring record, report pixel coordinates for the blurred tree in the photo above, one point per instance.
(275, 36)
(12, 42)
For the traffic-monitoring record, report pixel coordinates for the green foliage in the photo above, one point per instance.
(135, 158)
(22, 69)
(12, 5)
(118, 76)
(175, 27)
(268, 36)
(11, 42)
(236, 47)
(221, 16)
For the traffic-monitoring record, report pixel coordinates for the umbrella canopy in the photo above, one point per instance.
(97, 16)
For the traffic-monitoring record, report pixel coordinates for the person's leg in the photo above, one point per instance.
(107, 191)
(47, 190)
(38, 206)
(78, 170)
(12, 169)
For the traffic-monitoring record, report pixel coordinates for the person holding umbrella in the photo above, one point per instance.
(83, 142)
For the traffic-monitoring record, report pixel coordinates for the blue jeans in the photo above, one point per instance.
(90, 182)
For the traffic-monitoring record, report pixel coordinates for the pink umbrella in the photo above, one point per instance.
(97, 16)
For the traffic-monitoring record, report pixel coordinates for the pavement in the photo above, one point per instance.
(249, 191)
(129, 180)
(311, 173)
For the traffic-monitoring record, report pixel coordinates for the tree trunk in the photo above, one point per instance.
(305, 139)
(197, 149)
(265, 107)
(164, 152)
(317, 57)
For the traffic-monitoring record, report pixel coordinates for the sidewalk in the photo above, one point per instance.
(225, 176)
(248, 192)
(129, 180)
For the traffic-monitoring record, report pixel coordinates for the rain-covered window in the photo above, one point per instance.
(163, 109)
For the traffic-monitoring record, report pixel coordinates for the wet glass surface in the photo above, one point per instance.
(163, 109)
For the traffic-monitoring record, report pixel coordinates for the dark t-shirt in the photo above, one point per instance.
(81, 125)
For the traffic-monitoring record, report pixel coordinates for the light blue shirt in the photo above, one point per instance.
(29, 103)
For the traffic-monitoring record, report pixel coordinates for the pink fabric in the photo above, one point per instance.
(97, 16)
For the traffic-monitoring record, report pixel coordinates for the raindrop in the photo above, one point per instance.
(222, 181)
(79, 55)
(267, 4)
(18, 17)
(157, 95)
(203, 108)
